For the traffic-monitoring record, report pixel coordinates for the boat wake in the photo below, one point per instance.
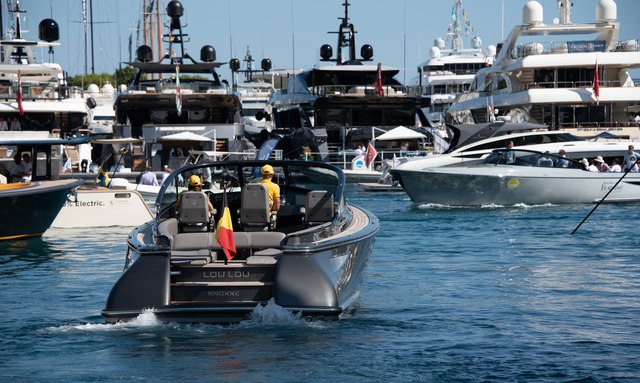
(436, 206)
(145, 320)
(271, 313)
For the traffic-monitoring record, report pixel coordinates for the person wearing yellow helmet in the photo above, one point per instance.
(272, 188)
(195, 184)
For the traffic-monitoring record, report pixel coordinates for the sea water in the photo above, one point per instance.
(491, 294)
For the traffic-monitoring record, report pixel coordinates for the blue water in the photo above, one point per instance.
(496, 294)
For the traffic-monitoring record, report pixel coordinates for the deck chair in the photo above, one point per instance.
(255, 214)
(194, 215)
(319, 207)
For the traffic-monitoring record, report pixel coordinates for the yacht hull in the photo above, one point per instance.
(27, 210)
(506, 185)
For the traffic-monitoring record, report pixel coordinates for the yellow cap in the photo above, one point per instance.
(194, 180)
(267, 169)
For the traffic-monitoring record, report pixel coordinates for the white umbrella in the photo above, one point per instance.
(400, 133)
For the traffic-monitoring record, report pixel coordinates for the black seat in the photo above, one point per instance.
(194, 214)
(255, 214)
(319, 207)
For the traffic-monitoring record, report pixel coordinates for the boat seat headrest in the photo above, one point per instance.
(194, 212)
(254, 211)
(319, 207)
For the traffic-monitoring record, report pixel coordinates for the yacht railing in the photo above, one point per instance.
(42, 91)
(367, 90)
(544, 48)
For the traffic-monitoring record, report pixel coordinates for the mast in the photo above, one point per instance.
(346, 39)
(564, 8)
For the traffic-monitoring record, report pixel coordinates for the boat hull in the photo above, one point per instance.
(319, 280)
(102, 207)
(504, 186)
(27, 210)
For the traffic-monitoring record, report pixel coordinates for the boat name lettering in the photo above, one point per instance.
(606, 186)
(225, 274)
(84, 203)
(224, 293)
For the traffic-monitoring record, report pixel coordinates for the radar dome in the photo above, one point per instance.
(265, 64)
(207, 54)
(439, 43)
(326, 51)
(93, 89)
(48, 30)
(234, 64)
(107, 88)
(144, 53)
(606, 11)
(532, 13)
(476, 42)
(366, 52)
(434, 53)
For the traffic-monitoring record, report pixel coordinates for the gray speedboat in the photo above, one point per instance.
(310, 258)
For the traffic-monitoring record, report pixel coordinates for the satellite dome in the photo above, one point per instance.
(48, 30)
(476, 42)
(434, 52)
(606, 11)
(439, 43)
(93, 89)
(532, 13)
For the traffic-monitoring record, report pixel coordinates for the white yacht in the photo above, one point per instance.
(572, 76)
(34, 90)
(450, 71)
(254, 94)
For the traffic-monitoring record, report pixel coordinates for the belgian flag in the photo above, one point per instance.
(224, 231)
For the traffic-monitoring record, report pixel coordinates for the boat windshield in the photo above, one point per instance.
(295, 178)
(527, 158)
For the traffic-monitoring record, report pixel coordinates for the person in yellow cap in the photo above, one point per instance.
(195, 184)
(272, 188)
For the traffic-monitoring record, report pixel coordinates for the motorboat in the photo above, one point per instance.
(567, 75)
(310, 258)
(542, 140)
(178, 103)
(35, 97)
(340, 101)
(532, 179)
(27, 209)
(89, 203)
(449, 72)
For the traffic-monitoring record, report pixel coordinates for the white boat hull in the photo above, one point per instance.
(103, 207)
(500, 185)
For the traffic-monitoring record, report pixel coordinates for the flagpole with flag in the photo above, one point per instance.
(224, 230)
(379, 80)
(596, 83)
(178, 92)
(370, 155)
(19, 96)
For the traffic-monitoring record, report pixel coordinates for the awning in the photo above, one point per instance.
(184, 136)
(401, 133)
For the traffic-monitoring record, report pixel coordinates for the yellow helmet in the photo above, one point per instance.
(194, 180)
(267, 169)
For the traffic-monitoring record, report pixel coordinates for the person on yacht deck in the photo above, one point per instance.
(562, 161)
(510, 155)
(634, 165)
(615, 166)
(601, 165)
(626, 163)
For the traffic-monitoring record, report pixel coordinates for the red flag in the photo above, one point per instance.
(19, 97)
(370, 155)
(379, 84)
(224, 231)
(596, 83)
